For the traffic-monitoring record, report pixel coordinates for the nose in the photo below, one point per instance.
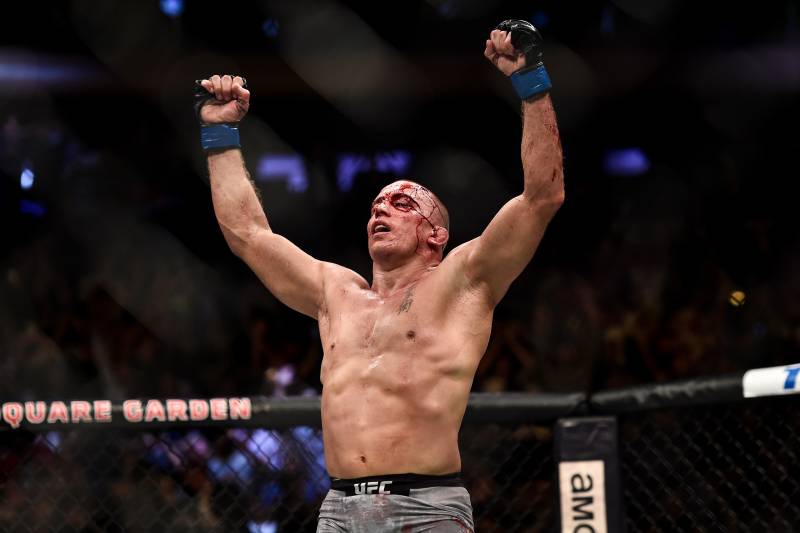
(380, 209)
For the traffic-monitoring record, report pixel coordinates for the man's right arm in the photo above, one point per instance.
(293, 276)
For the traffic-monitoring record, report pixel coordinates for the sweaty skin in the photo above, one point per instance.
(400, 353)
(399, 356)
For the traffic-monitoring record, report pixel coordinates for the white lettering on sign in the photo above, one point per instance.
(198, 410)
(18, 414)
(132, 410)
(219, 409)
(35, 412)
(80, 411)
(176, 410)
(154, 411)
(102, 411)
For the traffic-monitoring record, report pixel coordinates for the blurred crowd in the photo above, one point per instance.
(99, 299)
(634, 318)
(115, 281)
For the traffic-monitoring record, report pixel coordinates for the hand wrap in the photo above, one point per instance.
(532, 79)
(214, 136)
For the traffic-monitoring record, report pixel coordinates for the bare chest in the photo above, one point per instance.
(389, 343)
(365, 324)
(415, 336)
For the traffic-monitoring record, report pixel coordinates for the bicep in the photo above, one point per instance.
(508, 243)
(291, 275)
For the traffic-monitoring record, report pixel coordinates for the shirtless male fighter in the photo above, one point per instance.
(400, 353)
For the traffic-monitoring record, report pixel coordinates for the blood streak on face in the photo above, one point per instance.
(410, 197)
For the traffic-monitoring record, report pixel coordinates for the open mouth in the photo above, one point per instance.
(380, 228)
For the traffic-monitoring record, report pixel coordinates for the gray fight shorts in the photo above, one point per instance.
(402, 503)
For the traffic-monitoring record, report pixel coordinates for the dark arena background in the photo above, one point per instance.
(150, 383)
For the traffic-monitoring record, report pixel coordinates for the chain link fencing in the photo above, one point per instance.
(235, 480)
(697, 468)
(727, 468)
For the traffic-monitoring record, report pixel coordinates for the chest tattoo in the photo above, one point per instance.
(408, 299)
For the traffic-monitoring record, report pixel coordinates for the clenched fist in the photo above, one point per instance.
(515, 48)
(500, 51)
(227, 102)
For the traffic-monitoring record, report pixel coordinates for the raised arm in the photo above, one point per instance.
(507, 245)
(293, 276)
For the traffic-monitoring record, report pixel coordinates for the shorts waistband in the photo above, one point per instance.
(394, 483)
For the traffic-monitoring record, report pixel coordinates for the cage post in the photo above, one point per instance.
(588, 480)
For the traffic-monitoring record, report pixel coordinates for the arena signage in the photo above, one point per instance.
(583, 498)
(16, 414)
(773, 381)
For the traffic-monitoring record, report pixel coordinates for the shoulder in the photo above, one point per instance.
(457, 262)
(337, 276)
(337, 282)
(454, 273)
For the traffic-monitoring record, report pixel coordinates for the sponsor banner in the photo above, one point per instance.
(773, 381)
(583, 496)
(17, 414)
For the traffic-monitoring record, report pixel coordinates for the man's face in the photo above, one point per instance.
(403, 216)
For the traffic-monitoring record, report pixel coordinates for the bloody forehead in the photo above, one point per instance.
(413, 190)
(427, 205)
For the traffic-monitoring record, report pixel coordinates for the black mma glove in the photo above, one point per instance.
(214, 136)
(532, 79)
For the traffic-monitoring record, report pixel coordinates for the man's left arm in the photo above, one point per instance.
(507, 245)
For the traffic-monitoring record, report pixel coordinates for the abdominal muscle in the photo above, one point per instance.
(391, 416)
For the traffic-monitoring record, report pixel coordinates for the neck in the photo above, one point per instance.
(387, 279)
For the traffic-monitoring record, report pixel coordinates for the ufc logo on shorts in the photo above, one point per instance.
(372, 487)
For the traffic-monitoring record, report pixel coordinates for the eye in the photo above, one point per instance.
(402, 204)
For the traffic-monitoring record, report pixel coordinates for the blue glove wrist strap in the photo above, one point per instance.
(219, 136)
(530, 82)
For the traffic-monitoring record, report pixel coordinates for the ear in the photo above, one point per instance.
(438, 237)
